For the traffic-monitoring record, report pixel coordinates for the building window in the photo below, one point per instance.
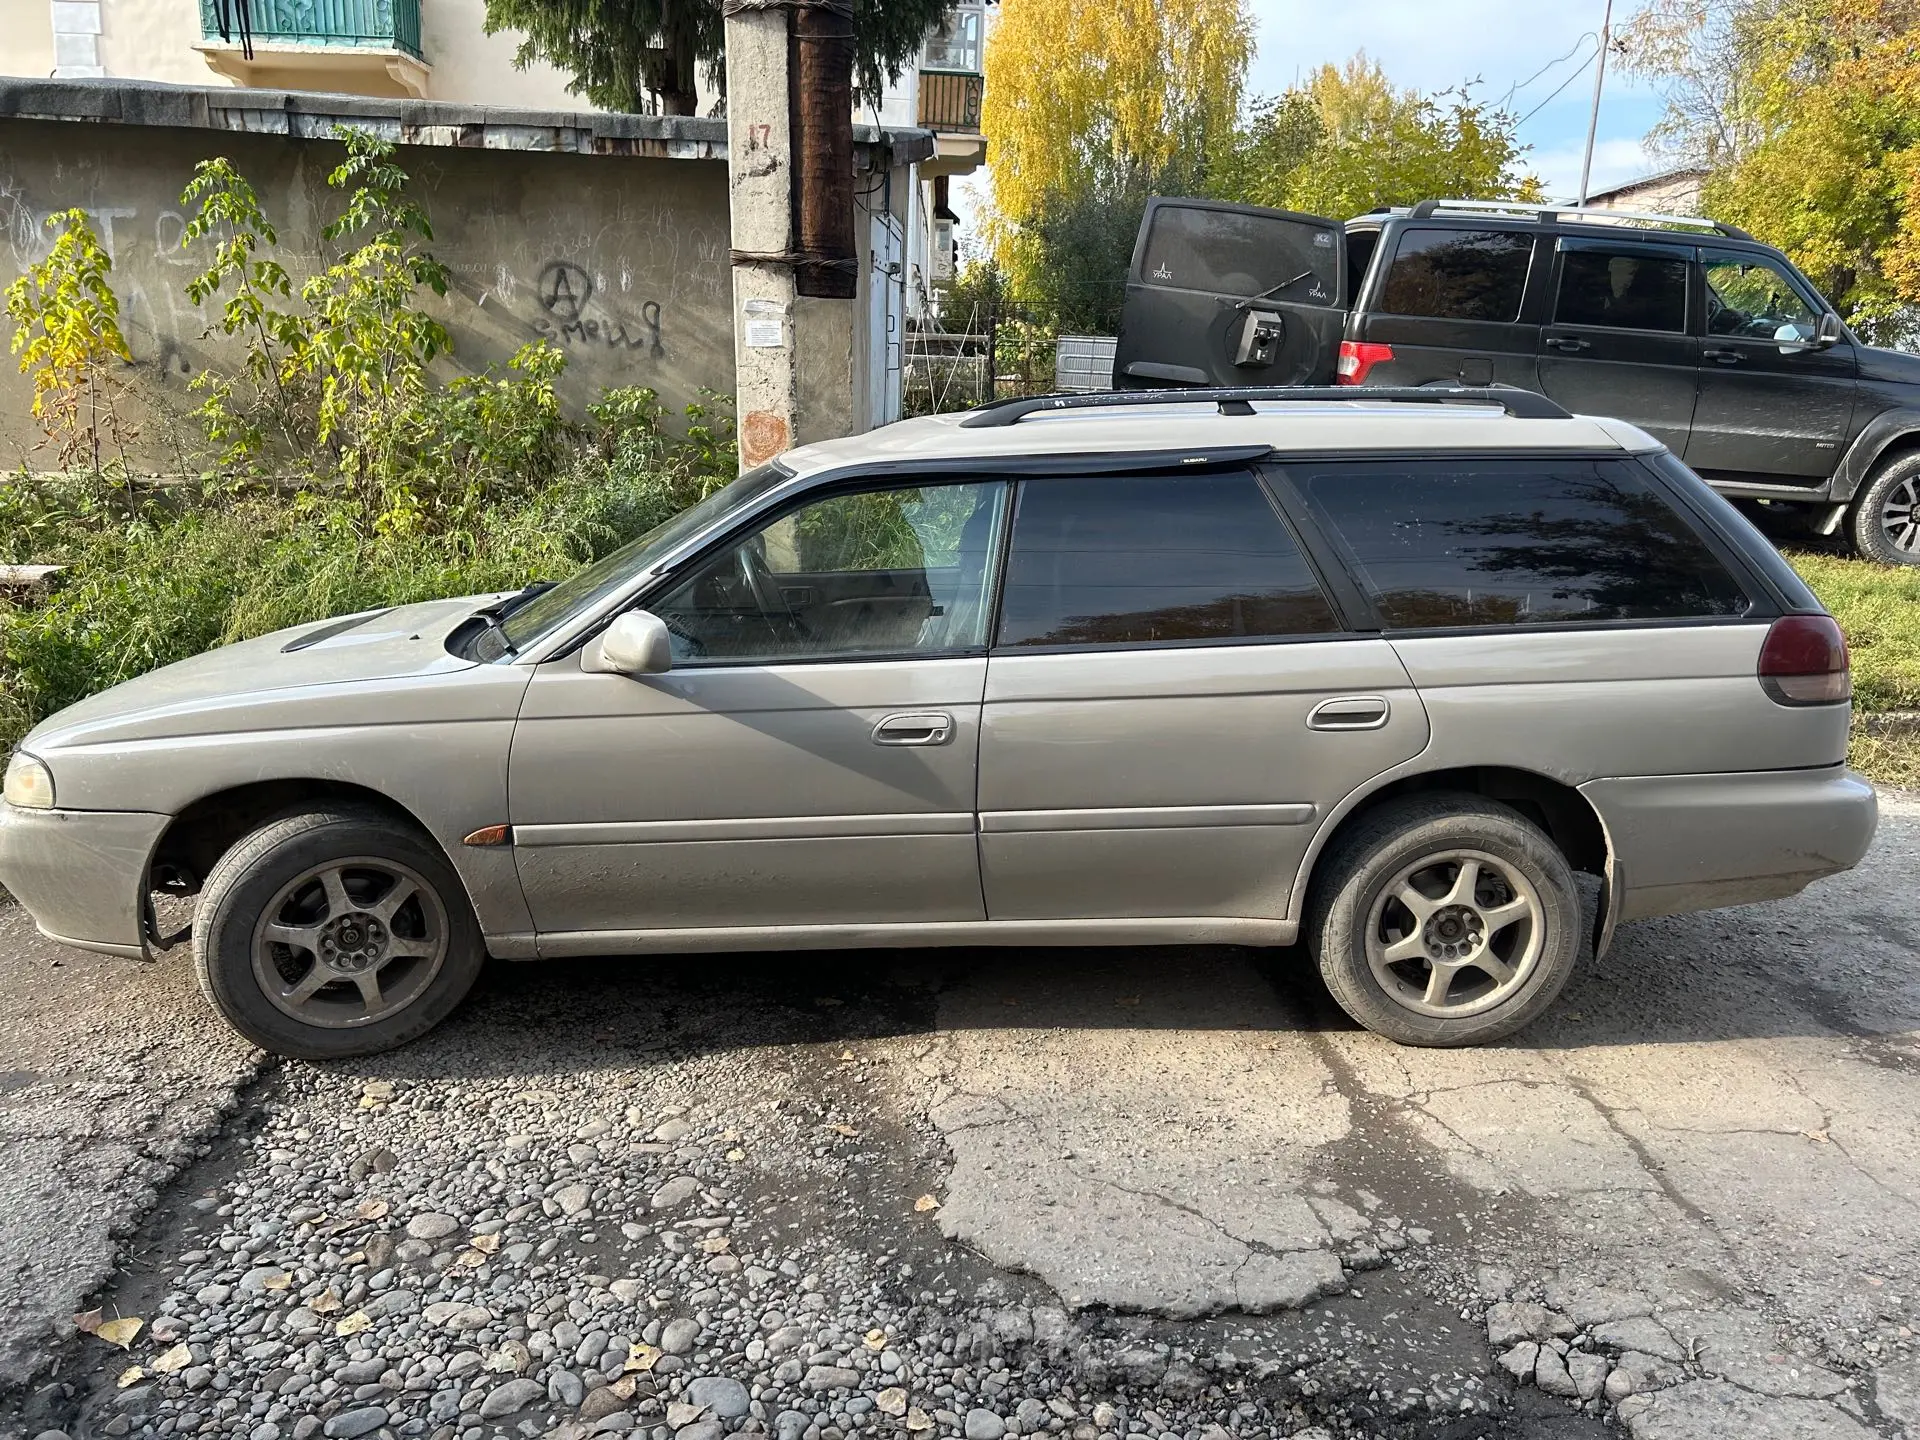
(954, 43)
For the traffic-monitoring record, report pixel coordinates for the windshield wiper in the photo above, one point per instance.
(504, 608)
(1273, 290)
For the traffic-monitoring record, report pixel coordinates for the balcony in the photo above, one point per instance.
(365, 47)
(950, 103)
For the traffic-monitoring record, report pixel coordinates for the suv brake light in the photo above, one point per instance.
(1804, 661)
(1357, 357)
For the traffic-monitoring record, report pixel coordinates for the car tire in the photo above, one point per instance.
(1400, 943)
(295, 918)
(1892, 489)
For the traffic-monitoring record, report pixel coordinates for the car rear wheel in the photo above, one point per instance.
(1885, 521)
(1444, 920)
(334, 933)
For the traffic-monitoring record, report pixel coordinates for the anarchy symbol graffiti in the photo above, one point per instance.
(564, 290)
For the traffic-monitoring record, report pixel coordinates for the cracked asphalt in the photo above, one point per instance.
(1685, 1204)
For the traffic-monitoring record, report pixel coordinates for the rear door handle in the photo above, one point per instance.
(1350, 712)
(1725, 357)
(919, 727)
(1568, 342)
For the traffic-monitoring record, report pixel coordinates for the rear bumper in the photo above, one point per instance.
(81, 874)
(1699, 842)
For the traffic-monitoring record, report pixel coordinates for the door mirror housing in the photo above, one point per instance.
(635, 644)
(1830, 333)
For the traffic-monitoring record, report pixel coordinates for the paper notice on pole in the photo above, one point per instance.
(766, 334)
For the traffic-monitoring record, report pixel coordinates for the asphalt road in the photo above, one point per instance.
(1169, 1189)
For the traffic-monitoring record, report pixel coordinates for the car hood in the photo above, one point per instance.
(1895, 365)
(374, 647)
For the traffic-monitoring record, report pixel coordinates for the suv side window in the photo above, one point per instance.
(1458, 274)
(1622, 290)
(1751, 296)
(1441, 544)
(1155, 559)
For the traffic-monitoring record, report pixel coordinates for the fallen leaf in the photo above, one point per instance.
(1128, 1000)
(279, 1280)
(623, 1388)
(325, 1303)
(1819, 1137)
(380, 1090)
(926, 1203)
(846, 1056)
(846, 1130)
(502, 1362)
(641, 1357)
(87, 1321)
(470, 1259)
(119, 1332)
(828, 1002)
(717, 1244)
(876, 1339)
(730, 1135)
(680, 1413)
(918, 1420)
(736, 1154)
(487, 1244)
(356, 1322)
(132, 1375)
(373, 1209)
(178, 1358)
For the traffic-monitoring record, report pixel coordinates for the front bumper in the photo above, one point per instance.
(1699, 842)
(82, 874)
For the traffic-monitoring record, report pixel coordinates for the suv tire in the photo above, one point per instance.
(1892, 488)
(1416, 948)
(335, 932)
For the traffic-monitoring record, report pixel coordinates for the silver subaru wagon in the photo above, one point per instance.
(1379, 672)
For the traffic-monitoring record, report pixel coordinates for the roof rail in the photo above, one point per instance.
(1580, 214)
(1521, 404)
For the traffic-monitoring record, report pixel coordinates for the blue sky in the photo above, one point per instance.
(1434, 44)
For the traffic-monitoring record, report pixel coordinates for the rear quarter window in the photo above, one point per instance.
(1458, 275)
(1441, 544)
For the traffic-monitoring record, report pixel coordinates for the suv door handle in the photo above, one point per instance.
(1568, 342)
(1350, 712)
(1725, 357)
(920, 727)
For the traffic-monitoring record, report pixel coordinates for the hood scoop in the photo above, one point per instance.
(328, 632)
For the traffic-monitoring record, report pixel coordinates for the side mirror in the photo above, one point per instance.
(636, 643)
(1830, 333)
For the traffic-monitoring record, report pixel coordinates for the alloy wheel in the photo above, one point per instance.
(1455, 933)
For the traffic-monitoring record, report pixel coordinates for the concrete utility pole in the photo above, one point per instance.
(760, 185)
(1599, 78)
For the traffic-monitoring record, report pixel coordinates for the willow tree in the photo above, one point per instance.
(1090, 97)
(630, 54)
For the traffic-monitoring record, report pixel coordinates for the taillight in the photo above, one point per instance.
(1357, 357)
(1804, 661)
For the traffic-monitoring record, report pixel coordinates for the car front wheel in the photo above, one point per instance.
(1885, 522)
(1444, 920)
(335, 933)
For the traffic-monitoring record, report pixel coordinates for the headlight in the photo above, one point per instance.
(29, 783)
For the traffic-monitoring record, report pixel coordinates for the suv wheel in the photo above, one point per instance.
(1885, 522)
(1444, 920)
(335, 933)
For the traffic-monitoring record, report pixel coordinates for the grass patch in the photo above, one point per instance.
(1879, 608)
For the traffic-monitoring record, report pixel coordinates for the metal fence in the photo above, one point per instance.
(996, 351)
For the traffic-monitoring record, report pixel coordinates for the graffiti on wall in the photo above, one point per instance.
(565, 291)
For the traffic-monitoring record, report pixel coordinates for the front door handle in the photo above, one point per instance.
(919, 727)
(1350, 712)
(1568, 343)
(1725, 357)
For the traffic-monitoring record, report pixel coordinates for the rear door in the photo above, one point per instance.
(1231, 295)
(1772, 405)
(1449, 306)
(1616, 341)
(1172, 703)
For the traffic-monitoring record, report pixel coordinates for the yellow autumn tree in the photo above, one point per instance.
(1082, 94)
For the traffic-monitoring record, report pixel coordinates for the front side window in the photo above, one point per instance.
(897, 572)
(1752, 297)
(1458, 274)
(1155, 559)
(1622, 290)
(1517, 543)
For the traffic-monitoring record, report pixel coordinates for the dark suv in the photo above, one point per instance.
(1690, 329)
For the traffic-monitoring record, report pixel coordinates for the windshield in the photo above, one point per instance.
(586, 588)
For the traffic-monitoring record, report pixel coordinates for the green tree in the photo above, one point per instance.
(619, 52)
(1349, 139)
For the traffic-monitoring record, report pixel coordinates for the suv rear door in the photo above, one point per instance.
(1616, 340)
(1231, 295)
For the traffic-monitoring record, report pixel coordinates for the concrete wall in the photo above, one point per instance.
(620, 260)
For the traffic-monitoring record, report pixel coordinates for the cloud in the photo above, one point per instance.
(1615, 160)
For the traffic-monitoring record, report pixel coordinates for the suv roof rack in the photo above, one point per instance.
(1580, 214)
(1238, 400)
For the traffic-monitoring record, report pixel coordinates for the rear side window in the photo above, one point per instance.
(1458, 274)
(1622, 291)
(1230, 252)
(1153, 559)
(1517, 543)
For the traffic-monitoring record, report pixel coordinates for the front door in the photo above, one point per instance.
(1617, 344)
(1172, 704)
(1772, 404)
(809, 760)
